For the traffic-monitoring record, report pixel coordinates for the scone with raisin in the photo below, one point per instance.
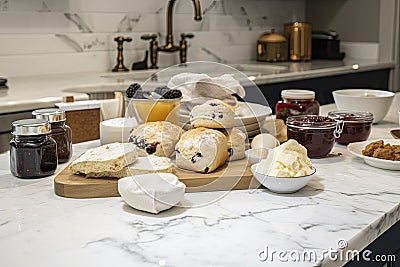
(236, 144)
(156, 138)
(201, 150)
(213, 114)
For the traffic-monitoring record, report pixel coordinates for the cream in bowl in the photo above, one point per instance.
(286, 169)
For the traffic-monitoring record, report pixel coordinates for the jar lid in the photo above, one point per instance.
(272, 37)
(311, 122)
(298, 94)
(30, 127)
(351, 116)
(49, 114)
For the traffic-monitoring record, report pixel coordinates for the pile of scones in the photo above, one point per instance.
(212, 141)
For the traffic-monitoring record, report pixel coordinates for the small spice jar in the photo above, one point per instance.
(355, 125)
(60, 132)
(296, 102)
(33, 153)
(316, 133)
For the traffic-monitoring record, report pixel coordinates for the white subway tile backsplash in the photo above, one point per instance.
(77, 35)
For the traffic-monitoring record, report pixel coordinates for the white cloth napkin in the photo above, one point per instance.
(198, 88)
(153, 192)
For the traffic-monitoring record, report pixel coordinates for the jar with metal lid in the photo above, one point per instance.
(272, 47)
(355, 125)
(296, 102)
(60, 132)
(33, 153)
(316, 133)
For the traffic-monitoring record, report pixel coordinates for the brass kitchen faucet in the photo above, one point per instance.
(169, 47)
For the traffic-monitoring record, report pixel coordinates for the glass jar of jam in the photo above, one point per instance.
(316, 133)
(33, 153)
(60, 132)
(296, 102)
(356, 125)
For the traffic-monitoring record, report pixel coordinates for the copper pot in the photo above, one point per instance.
(272, 47)
(299, 36)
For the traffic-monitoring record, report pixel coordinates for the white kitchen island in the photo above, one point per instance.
(348, 203)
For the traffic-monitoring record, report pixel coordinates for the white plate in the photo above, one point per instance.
(250, 133)
(260, 112)
(356, 149)
(244, 128)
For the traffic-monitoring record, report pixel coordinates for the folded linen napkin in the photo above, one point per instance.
(198, 88)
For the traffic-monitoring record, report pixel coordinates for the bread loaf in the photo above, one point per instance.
(142, 165)
(111, 157)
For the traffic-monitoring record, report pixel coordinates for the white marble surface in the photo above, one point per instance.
(347, 200)
(39, 91)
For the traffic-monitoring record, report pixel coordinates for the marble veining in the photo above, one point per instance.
(341, 204)
(78, 22)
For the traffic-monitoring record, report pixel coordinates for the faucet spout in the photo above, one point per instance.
(169, 46)
(197, 10)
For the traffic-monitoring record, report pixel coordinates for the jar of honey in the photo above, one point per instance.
(33, 153)
(60, 132)
(296, 102)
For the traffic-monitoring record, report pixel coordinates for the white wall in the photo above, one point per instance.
(56, 36)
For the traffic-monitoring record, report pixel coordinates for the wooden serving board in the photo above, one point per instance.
(235, 175)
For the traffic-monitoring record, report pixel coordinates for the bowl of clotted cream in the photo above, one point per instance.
(286, 169)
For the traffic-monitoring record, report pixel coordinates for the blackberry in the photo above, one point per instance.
(161, 90)
(132, 89)
(171, 94)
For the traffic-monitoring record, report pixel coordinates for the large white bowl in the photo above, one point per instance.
(375, 101)
(281, 185)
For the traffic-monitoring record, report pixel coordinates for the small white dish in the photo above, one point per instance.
(357, 148)
(254, 155)
(282, 185)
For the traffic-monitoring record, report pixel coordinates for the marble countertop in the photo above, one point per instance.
(348, 203)
(28, 93)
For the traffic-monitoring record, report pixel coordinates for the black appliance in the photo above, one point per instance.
(326, 45)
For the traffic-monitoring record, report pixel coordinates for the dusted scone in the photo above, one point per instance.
(236, 144)
(142, 165)
(111, 157)
(201, 150)
(156, 138)
(213, 114)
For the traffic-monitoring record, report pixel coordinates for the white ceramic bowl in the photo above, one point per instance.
(282, 185)
(375, 101)
(254, 155)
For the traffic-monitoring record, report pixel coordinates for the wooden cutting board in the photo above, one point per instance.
(235, 175)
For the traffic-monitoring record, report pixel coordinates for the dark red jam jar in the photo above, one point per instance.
(296, 102)
(60, 132)
(355, 125)
(33, 153)
(316, 133)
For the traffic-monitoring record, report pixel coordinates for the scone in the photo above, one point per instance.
(201, 150)
(111, 157)
(156, 138)
(213, 114)
(236, 144)
(142, 165)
